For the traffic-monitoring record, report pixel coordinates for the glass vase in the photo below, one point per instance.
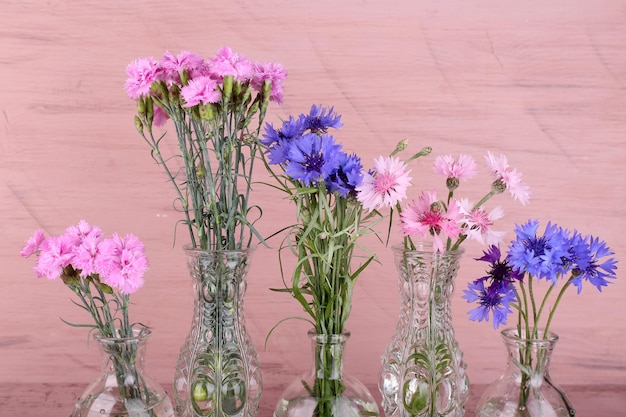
(525, 389)
(218, 372)
(423, 373)
(123, 389)
(326, 390)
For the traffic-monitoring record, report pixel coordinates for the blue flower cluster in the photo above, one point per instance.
(308, 154)
(549, 256)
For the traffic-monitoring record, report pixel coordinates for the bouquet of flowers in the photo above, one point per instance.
(102, 274)
(213, 104)
(324, 182)
(556, 257)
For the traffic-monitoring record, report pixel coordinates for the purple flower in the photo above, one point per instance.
(500, 271)
(312, 158)
(346, 176)
(320, 119)
(141, 74)
(201, 90)
(540, 256)
(492, 299)
(279, 141)
(590, 264)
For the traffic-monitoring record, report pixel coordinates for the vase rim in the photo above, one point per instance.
(512, 335)
(329, 337)
(140, 332)
(194, 249)
(423, 247)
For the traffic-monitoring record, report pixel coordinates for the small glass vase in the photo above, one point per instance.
(326, 390)
(218, 372)
(123, 389)
(525, 389)
(423, 373)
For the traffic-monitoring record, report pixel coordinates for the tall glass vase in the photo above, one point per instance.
(326, 390)
(525, 389)
(423, 373)
(123, 388)
(218, 372)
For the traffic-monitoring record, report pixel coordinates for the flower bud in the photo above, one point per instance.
(138, 125)
(305, 215)
(400, 147)
(436, 207)
(452, 183)
(206, 111)
(227, 89)
(141, 106)
(498, 186)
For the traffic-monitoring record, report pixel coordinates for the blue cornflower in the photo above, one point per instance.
(347, 175)
(494, 299)
(279, 141)
(320, 119)
(311, 158)
(541, 256)
(589, 263)
(500, 272)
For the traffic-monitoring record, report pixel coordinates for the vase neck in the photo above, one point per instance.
(328, 351)
(529, 356)
(123, 355)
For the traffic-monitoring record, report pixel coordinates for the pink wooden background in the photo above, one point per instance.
(542, 81)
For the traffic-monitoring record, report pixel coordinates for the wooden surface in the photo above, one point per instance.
(542, 81)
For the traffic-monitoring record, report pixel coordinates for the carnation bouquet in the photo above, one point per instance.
(556, 257)
(217, 107)
(102, 274)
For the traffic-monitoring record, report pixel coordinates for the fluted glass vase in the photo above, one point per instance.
(423, 373)
(123, 389)
(217, 372)
(525, 389)
(326, 390)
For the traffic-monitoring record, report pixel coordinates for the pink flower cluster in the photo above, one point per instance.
(200, 80)
(450, 219)
(120, 262)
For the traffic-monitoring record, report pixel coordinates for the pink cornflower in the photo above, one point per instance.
(478, 223)
(122, 263)
(387, 186)
(226, 62)
(273, 72)
(200, 90)
(461, 168)
(501, 171)
(33, 243)
(55, 254)
(172, 65)
(427, 216)
(141, 74)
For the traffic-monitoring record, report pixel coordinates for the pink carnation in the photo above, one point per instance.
(275, 73)
(172, 65)
(141, 74)
(160, 116)
(226, 62)
(32, 244)
(76, 234)
(122, 263)
(200, 90)
(86, 255)
(55, 254)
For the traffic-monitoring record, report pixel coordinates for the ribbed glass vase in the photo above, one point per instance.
(423, 373)
(218, 372)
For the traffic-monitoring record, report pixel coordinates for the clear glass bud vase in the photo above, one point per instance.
(123, 389)
(326, 390)
(423, 373)
(525, 389)
(218, 372)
